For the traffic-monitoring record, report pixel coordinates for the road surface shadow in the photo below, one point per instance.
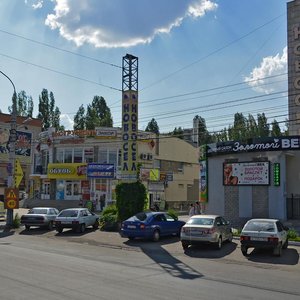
(208, 251)
(164, 259)
(289, 256)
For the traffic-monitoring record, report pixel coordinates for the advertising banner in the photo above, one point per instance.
(101, 170)
(67, 171)
(246, 173)
(203, 181)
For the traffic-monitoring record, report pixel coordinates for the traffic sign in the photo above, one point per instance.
(11, 199)
(18, 173)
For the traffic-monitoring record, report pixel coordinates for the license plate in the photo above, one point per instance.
(258, 239)
(131, 226)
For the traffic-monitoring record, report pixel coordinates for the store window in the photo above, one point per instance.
(68, 155)
(102, 157)
(78, 155)
(59, 155)
(89, 155)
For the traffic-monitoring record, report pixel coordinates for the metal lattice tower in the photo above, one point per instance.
(130, 73)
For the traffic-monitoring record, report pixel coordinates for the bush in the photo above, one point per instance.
(109, 219)
(16, 221)
(131, 199)
(292, 234)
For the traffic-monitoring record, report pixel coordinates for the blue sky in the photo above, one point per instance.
(208, 58)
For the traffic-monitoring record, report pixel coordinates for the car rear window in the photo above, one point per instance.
(141, 216)
(38, 211)
(69, 213)
(200, 221)
(260, 226)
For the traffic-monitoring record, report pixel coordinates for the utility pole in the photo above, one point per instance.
(12, 150)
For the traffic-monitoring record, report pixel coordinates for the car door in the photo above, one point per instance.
(226, 228)
(90, 218)
(220, 227)
(282, 234)
(51, 214)
(159, 220)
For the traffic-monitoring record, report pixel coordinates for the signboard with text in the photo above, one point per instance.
(11, 198)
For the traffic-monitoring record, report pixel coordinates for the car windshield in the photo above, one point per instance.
(141, 216)
(41, 211)
(69, 213)
(260, 226)
(201, 221)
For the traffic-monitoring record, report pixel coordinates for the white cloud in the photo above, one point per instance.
(270, 66)
(120, 23)
(66, 121)
(38, 5)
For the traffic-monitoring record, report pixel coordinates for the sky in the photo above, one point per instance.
(211, 58)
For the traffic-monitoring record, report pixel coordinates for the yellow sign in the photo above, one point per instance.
(67, 171)
(154, 175)
(18, 173)
(11, 200)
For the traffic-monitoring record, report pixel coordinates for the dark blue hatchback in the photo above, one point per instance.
(151, 225)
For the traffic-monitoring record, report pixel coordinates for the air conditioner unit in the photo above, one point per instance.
(149, 156)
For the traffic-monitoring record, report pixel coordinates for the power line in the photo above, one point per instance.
(60, 49)
(214, 52)
(59, 72)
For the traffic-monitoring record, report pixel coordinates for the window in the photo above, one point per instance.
(89, 155)
(78, 155)
(68, 155)
(102, 157)
(112, 157)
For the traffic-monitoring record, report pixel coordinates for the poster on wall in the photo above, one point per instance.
(246, 173)
(203, 181)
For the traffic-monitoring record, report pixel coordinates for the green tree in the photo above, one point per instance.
(97, 115)
(24, 105)
(152, 126)
(203, 134)
(251, 127)
(275, 131)
(79, 119)
(48, 112)
(263, 129)
(178, 132)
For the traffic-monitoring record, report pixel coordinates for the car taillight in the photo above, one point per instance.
(210, 231)
(273, 239)
(75, 222)
(244, 238)
(142, 226)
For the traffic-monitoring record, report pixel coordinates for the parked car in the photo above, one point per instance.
(150, 225)
(264, 233)
(40, 216)
(77, 219)
(211, 229)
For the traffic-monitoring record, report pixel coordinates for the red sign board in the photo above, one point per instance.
(11, 199)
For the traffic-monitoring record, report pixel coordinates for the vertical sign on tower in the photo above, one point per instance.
(129, 118)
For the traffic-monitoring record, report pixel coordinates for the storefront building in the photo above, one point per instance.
(254, 179)
(84, 166)
(28, 130)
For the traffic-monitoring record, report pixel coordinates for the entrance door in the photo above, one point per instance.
(72, 190)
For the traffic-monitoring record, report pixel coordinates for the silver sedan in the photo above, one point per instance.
(213, 229)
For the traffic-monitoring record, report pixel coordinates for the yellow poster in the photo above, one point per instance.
(67, 171)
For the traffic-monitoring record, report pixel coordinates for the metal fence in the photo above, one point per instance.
(293, 207)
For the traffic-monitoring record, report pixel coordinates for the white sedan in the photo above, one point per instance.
(264, 233)
(77, 219)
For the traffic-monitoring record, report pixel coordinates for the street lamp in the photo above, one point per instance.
(12, 149)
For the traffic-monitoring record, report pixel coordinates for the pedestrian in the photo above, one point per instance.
(192, 210)
(197, 208)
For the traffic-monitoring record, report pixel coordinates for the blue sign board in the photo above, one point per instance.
(101, 170)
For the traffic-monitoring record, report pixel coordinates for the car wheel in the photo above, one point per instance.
(285, 245)
(218, 244)
(230, 237)
(50, 225)
(278, 250)
(184, 244)
(156, 235)
(59, 229)
(82, 228)
(27, 227)
(244, 250)
(96, 224)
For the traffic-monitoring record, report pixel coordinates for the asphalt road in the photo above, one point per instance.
(98, 265)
